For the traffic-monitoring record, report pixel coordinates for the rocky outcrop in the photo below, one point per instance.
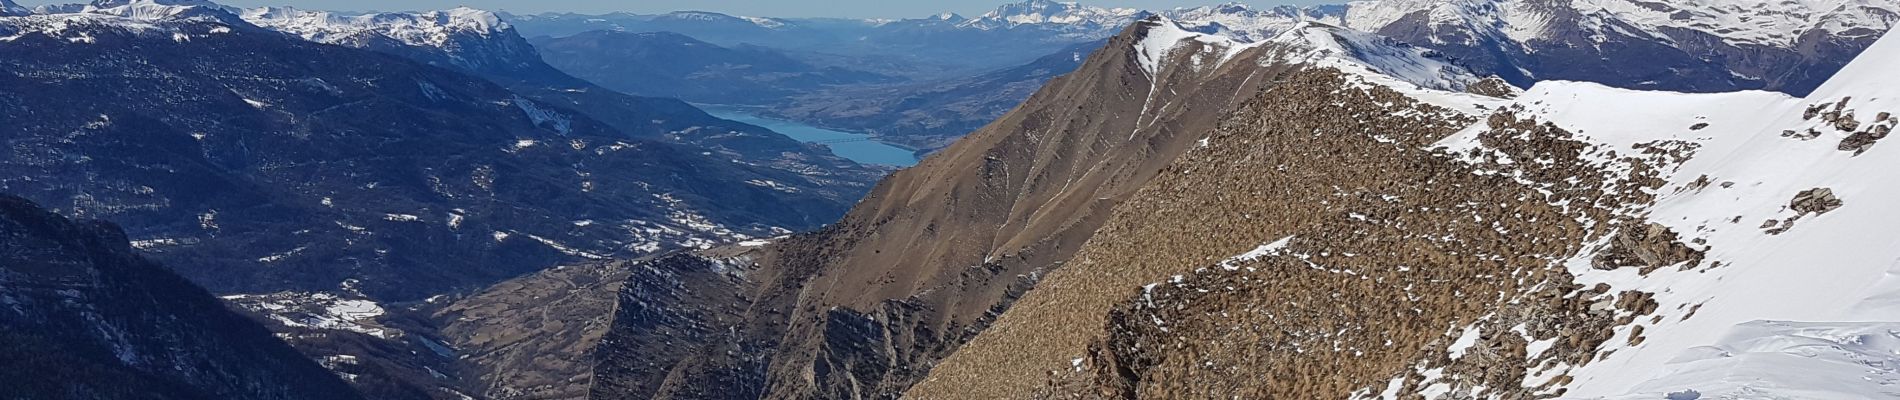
(1814, 201)
(1494, 87)
(1646, 246)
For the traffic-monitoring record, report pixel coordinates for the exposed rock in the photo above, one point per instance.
(1815, 201)
(1810, 134)
(1648, 246)
(1494, 87)
(1846, 121)
(1859, 142)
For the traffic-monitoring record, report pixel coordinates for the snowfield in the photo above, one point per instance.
(1802, 305)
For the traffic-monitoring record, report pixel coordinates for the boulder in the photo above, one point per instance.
(1815, 201)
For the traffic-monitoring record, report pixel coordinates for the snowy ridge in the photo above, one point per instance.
(1788, 284)
(429, 29)
(1234, 20)
(1368, 54)
(1776, 23)
(1248, 24)
(1372, 58)
(178, 20)
(1760, 22)
(1488, 18)
(9, 8)
(1051, 12)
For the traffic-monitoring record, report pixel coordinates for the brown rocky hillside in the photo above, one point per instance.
(863, 308)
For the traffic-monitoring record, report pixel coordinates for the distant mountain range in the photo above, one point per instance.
(956, 64)
(673, 65)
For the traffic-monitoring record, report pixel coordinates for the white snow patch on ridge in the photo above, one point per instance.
(1233, 263)
(1372, 55)
(1377, 58)
(430, 29)
(1810, 312)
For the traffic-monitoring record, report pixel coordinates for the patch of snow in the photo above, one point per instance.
(1267, 249)
(1822, 297)
(542, 117)
(317, 311)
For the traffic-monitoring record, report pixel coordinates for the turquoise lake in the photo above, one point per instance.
(854, 146)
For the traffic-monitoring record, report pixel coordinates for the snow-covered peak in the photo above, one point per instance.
(153, 10)
(83, 23)
(708, 16)
(1034, 12)
(767, 23)
(1372, 55)
(1761, 22)
(432, 29)
(1372, 59)
(1161, 38)
(1798, 294)
(1250, 24)
(1773, 22)
(8, 7)
(1233, 20)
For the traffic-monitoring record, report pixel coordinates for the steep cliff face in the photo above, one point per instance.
(865, 307)
(82, 316)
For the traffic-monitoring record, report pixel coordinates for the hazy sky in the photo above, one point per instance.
(762, 8)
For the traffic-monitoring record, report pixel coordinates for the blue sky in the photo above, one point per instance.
(764, 8)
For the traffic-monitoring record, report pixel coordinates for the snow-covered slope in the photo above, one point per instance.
(1235, 20)
(1371, 57)
(1777, 23)
(9, 8)
(433, 28)
(1790, 201)
(1375, 56)
(177, 20)
(1051, 12)
(1679, 45)
(1250, 24)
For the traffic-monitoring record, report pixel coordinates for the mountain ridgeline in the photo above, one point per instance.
(865, 307)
